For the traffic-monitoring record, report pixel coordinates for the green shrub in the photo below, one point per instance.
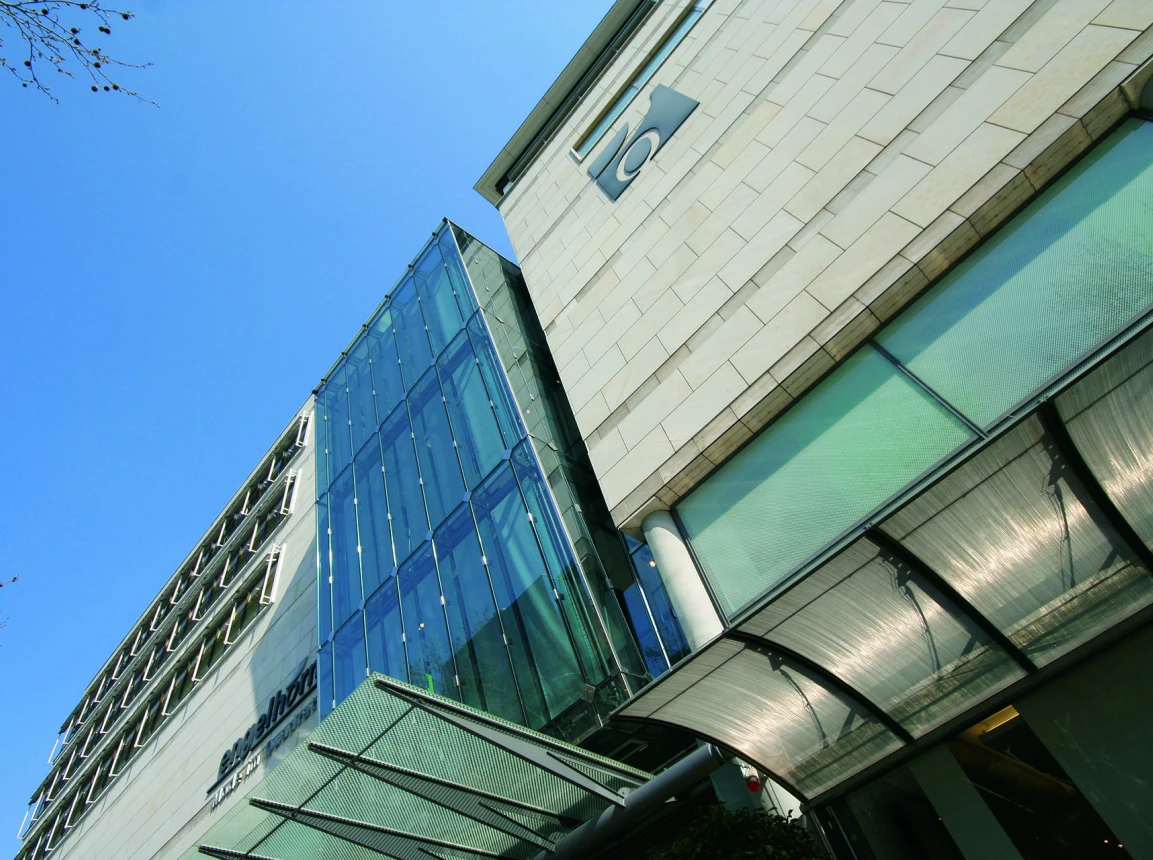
(718, 834)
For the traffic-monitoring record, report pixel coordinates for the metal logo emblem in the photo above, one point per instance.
(616, 167)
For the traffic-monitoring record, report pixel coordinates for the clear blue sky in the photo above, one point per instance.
(176, 280)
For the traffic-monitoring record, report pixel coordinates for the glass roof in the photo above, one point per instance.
(399, 772)
(1035, 544)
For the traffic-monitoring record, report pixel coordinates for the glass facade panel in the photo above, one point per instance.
(1015, 533)
(668, 626)
(324, 571)
(425, 629)
(473, 420)
(411, 336)
(385, 631)
(1055, 282)
(495, 609)
(345, 549)
(507, 414)
(376, 559)
(482, 661)
(348, 657)
(436, 451)
(324, 689)
(402, 477)
(441, 311)
(855, 440)
(336, 425)
(361, 401)
(385, 363)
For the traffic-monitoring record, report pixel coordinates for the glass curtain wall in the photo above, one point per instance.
(1057, 282)
(443, 560)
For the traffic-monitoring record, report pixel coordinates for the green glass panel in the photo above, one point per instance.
(345, 544)
(474, 423)
(385, 364)
(854, 441)
(1060, 278)
(385, 631)
(436, 295)
(425, 632)
(361, 404)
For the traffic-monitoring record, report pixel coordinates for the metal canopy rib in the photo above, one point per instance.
(482, 806)
(228, 854)
(383, 840)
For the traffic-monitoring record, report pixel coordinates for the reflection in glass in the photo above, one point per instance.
(494, 380)
(642, 624)
(1055, 282)
(456, 274)
(411, 337)
(482, 661)
(871, 621)
(348, 657)
(372, 514)
(324, 571)
(668, 626)
(384, 629)
(426, 635)
(362, 407)
(439, 469)
(1109, 415)
(436, 297)
(346, 588)
(855, 440)
(336, 429)
(386, 379)
(405, 499)
(473, 420)
(1014, 532)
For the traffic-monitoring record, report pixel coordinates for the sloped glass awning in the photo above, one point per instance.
(397, 772)
(1033, 545)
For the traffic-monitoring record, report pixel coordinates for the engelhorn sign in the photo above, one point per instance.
(624, 157)
(279, 707)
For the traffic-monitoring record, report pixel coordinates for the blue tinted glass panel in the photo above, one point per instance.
(385, 364)
(436, 296)
(385, 639)
(465, 297)
(562, 564)
(668, 625)
(324, 692)
(405, 500)
(362, 408)
(324, 572)
(494, 379)
(474, 424)
(425, 633)
(376, 560)
(336, 427)
(525, 596)
(411, 338)
(348, 657)
(486, 678)
(439, 469)
(850, 444)
(646, 633)
(1061, 277)
(346, 593)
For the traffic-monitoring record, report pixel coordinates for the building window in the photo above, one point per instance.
(590, 139)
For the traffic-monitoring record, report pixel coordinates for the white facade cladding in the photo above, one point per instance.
(863, 315)
(844, 155)
(143, 767)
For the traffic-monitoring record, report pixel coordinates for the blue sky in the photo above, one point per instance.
(174, 281)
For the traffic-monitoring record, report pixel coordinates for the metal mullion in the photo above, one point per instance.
(1053, 425)
(928, 389)
(168, 696)
(910, 559)
(652, 619)
(444, 614)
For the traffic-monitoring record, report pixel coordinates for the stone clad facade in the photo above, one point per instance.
(843, 156)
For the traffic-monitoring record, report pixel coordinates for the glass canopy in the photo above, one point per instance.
(398, 772)
(1025, 550)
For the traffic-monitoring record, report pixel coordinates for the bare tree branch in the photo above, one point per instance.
(55, 41)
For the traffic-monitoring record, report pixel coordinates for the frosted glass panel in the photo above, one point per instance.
(1109, 414)
(871, 621)
(854, 441)
(1014, 532)
(1060, 278)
